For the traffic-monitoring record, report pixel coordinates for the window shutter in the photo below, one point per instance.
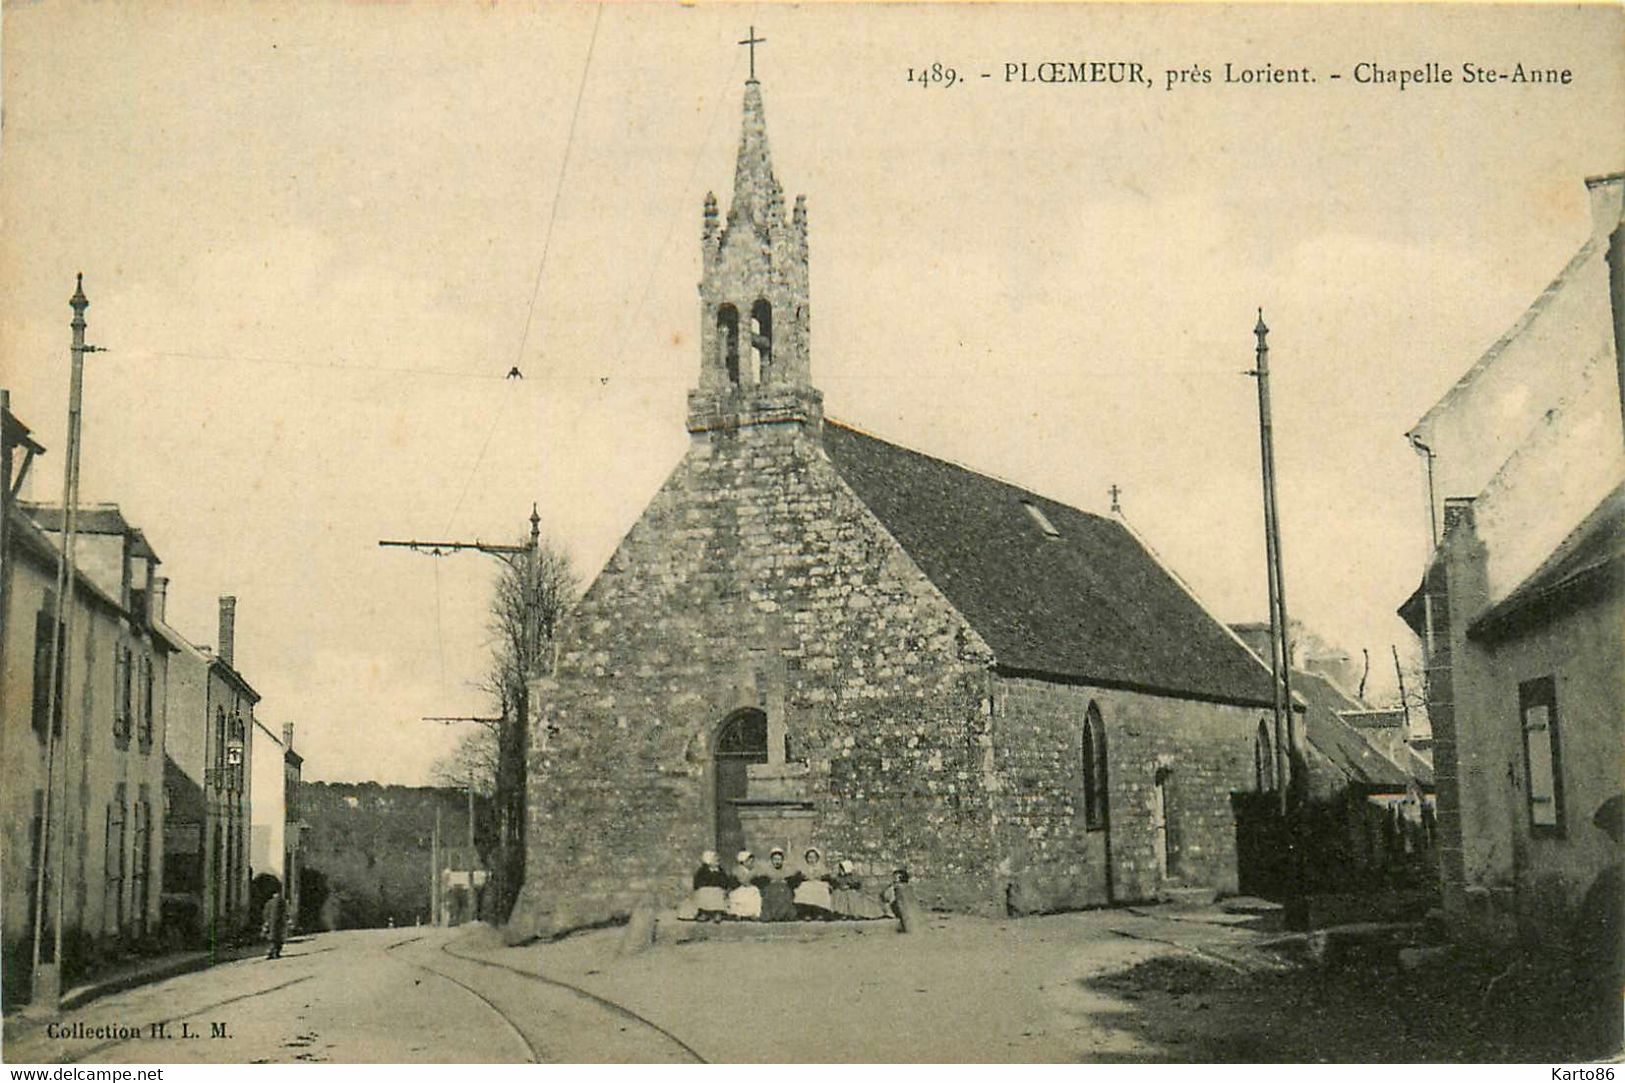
(42, 668)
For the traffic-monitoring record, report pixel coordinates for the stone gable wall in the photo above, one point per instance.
(1053, 862)
(756, 578)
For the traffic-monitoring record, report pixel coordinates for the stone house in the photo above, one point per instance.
(1520, 609)
(107, 779)
(812, 635)
(206, 888)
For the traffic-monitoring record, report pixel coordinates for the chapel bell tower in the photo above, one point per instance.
(754, 313)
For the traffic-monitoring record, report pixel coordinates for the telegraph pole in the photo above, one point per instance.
(47, 977)
(434, 859)
(1260, 372)
(1290, 762)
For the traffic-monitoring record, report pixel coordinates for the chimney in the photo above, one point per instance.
(287, 736)
(228, 629)
(1607, 194)
(160, 594)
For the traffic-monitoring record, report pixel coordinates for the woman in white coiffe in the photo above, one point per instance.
(710, 888)
(811, 883)
(745, 900)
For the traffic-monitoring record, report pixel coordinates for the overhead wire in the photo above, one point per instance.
(541, 265)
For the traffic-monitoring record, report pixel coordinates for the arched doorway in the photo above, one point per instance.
(741, 741)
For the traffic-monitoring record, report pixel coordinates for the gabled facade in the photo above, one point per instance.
(812, 635)
(1520, 609)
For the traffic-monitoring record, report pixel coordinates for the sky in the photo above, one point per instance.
(315, 236)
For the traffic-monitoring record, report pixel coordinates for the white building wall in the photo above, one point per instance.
(267, 828)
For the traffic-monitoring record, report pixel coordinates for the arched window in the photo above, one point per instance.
(728, 341)
(743, 737)
(1094, 770)
(1264, 758)
(761, 337)
(219, 736)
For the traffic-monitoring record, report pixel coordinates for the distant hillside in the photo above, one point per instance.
(367, 849)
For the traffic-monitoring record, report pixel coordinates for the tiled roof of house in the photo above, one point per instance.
(1053, 590)
(1340, 742)
(1374, 718)
(92, 519)
(29, 538)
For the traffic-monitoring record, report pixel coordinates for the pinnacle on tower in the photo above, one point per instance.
(757, 194)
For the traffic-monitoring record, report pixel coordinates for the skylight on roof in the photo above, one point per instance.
(1041, 519)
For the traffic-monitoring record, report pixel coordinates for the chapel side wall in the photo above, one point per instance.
(756, 578)
(1038, 741)
(1052, 859)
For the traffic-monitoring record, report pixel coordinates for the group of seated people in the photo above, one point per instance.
(777, 892)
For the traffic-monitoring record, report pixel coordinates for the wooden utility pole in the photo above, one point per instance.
(1280, 644)
(434, 860)
(1404, 700)
(47, 976)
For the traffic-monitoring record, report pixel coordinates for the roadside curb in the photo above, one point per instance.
(186, 964)
(173, 967)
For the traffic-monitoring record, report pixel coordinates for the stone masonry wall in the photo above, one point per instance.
(756, 578)
(1053, 860)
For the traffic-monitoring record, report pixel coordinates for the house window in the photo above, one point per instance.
(1094, 771)
(1542, 755)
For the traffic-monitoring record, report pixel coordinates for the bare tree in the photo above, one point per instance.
(537, 585)
(532, 595)
(473, 763)
(531, 598)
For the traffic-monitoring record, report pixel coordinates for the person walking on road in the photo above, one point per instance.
(276, 920)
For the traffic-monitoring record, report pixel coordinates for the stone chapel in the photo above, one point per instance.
(812, 635)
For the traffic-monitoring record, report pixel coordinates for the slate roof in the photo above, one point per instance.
(1374, 718)
(92, 519)
(29, 538)
(1340, 742)
(1091, 604)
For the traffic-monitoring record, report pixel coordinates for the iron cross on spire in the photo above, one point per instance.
(752, 41)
